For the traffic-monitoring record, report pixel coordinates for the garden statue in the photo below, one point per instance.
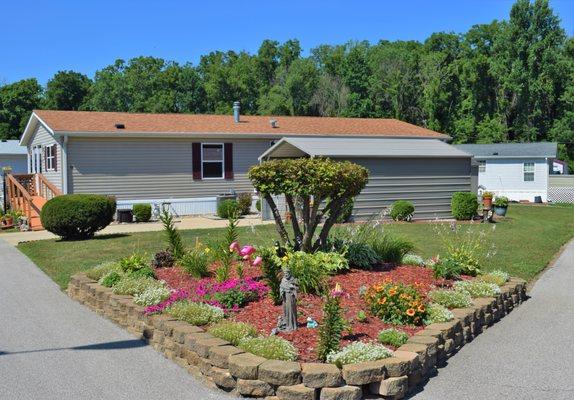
(288, 290)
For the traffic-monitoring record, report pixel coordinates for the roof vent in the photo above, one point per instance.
(120, 126)
(495, 153)
(273, 123)
(236, 109)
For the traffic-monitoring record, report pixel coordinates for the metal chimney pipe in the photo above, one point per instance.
(236, 109)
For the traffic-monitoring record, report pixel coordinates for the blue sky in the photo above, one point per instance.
(38, 38)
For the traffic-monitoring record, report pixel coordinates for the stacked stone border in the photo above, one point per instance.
(233, 370)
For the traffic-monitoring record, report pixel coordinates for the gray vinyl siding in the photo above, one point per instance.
(428, 182)
(153, 168)
(44, 138)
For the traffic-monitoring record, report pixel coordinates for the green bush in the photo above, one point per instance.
(450, 298)
(270, 347)
(196, 262)
(447, 269)
(358, 352)
(464, 205)
(497, 277)
(231, 331)
(361, 255)
(392, 337)
(132, 286)
(110, 279)
(142, 212)
(102, 269)
(402, 210)
(271, 269)
(437, 313)
(228, 208)
(133, 262)
(390, 248)
(198, 314)
(500, 201)
(311, 270)
(78, 216)
(331, 328)
(346, 211)
(244, 201)
(477, 288)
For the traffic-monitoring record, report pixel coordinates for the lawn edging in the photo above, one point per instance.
(245, 374)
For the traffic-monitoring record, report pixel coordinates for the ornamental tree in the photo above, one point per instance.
(315, 189)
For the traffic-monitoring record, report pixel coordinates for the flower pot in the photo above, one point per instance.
(8, 220)
(487, 202)
(500, 210)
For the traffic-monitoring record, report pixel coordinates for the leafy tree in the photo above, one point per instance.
(309, 182)
(17, 100)
(66, 91)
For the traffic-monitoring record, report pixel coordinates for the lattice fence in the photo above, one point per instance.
(561, 194)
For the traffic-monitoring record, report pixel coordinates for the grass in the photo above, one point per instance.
(526, 242)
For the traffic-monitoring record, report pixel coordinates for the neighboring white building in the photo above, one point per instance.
(518, 171)
(14, 156)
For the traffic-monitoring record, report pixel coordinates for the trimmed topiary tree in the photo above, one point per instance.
(322, 187)
(464, 205)
(142, 212)
(402, 210)
(78, 216)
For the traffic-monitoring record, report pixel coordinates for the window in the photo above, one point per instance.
(212, 161)
(528, 169)
(50, 152)
(482, 166)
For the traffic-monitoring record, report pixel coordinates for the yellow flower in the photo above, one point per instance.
(410, 312)
(284, 258)
(421, 308)
(382, 300)
(392, 291)
(207, 249)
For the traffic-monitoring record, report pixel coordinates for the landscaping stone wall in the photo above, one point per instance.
(231, 369)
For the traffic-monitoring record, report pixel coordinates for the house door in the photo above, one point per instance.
(37, 159)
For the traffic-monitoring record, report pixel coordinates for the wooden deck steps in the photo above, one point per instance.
(35, 223)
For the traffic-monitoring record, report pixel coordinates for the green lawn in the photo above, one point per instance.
(526, 241)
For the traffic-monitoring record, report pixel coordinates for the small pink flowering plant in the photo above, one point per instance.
(233, 293)
(176, 294)
(245, 254)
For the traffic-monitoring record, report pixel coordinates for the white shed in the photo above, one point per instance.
(518, 171)
(14, 156)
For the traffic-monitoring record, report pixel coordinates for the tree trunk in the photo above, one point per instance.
(334, 209)
(278, 221)
(311, 226)
(294, 222)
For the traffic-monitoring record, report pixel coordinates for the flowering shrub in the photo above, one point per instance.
(102, 269)
(476, 288)
(195, 313)
(413, 259)
(152, 295)
(392, 337)
(233, 293)
(498, 277)
(437, 313)
(175, 295)
(396, 303)
(450, 298)
(270, 347)
(233, 332)
(131, 286)
(358, 352)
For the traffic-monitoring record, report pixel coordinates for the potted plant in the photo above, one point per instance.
(487, 199)
(500, 205)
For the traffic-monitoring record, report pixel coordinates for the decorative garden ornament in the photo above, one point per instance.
(288, 290)
(311, 323)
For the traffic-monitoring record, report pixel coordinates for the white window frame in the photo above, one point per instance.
(482, 166)
(526, 170)
(50, 157)
(222, 160)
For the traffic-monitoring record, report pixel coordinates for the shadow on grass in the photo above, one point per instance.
(118, 345)
(97, 237)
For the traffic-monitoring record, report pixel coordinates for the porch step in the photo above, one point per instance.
(35, 222)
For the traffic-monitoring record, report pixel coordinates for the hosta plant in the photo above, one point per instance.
(270, 347)
(396, 303)
(358, 352)
(450, 298)
(231, 331)
(477, 288)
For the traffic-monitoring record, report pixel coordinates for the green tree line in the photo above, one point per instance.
(505, 81)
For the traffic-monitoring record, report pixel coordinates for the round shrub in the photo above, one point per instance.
(392, 337)
(78, 216)
(270, 347)
(402, 210)
(244, 201)
(228, 208)
(142, 212)
(231, 331)
(464, 205)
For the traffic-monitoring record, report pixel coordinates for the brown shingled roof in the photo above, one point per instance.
(102, 122)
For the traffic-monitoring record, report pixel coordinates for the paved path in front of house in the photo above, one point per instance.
(54, 348)
(529, 354)
(196, 222)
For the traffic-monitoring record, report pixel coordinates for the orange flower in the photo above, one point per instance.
(421, 308)
(410, 312)
(382, 300)
(392, 291)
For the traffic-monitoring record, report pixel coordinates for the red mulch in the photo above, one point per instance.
(263, 314)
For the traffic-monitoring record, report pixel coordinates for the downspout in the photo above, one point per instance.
(65, 164)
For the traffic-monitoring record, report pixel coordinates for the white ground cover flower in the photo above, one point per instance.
(358, 352)
(477, 288)
(152, 295)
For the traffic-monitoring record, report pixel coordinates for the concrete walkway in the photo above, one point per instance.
(196, 222)
(529, 354)
(54, 348)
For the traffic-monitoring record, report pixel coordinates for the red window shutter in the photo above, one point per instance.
(196, 160)
(228, 160)
(55, 152)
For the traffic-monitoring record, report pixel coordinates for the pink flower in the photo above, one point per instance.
(234, 247)
(247, 251)
(257, 261)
